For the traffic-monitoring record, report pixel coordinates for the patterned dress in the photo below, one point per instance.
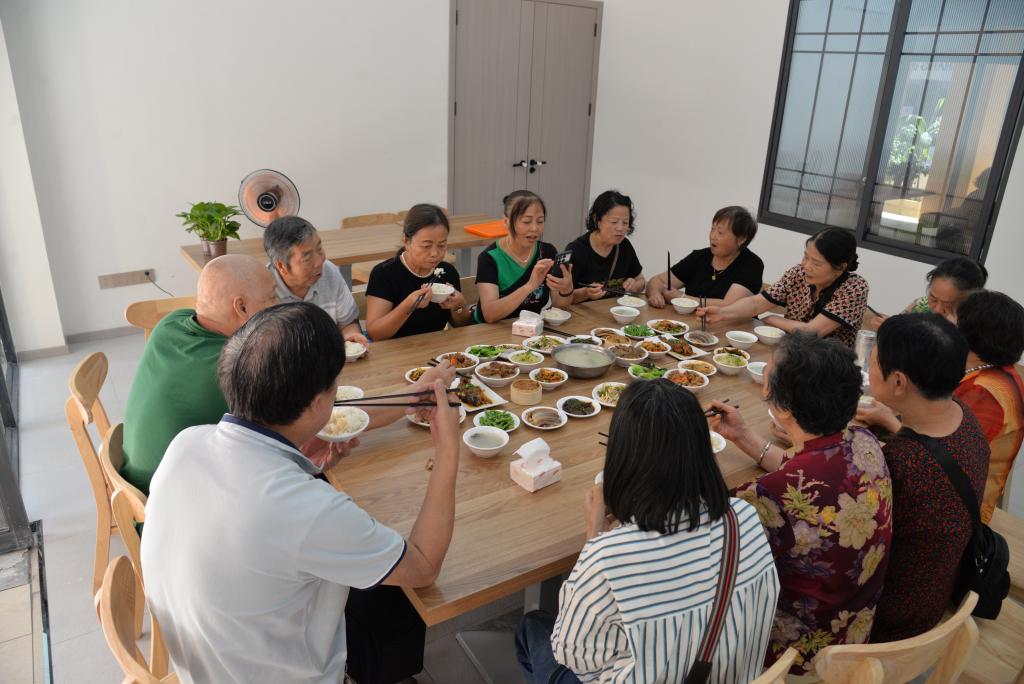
(828, 513)
(845, 305)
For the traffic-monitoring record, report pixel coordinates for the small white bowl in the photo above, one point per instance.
(602, 402)
(726, 369)
(555, 317)
(684, 305)
(468, 370)
(408, 373)
(732, 350)
(741, 339)
(755, 370)
(626, 363)
(560, 405)
(495, 382)
(527, 365)
(769, 334)
(549, 385)
(354, 350)
(705, 367)
(713, 339)
(345, 392)
(331, 437)
(717, 442)
(624, 314)
(562, 417)
(679, 371)
(478, 418)
(486, 451)
(632, 302)
(440, 292)
(664, 348)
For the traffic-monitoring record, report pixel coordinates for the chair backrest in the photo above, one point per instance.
(364, 220)
(112, 460)
(776, 674)
(84, 384)
(129, 509)
(146, 314)
(359, 294)
(117, 601)
(946, 647)
(468, 286)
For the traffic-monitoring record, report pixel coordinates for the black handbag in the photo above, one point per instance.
(983, 568)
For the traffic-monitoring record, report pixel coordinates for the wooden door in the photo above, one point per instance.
(523, 87)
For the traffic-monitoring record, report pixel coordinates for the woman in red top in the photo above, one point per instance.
(993, 325)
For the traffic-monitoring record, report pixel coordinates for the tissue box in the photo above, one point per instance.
(528, 327)
(531, 480)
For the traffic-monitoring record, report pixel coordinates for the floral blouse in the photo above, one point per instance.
(828, 514)
(844, 305)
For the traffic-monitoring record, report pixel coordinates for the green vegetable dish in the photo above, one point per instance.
(638, 331)
(647, 372)
(730, 360)
(484, 351)
(498, 419)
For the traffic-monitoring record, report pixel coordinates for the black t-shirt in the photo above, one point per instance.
(392, 281)
(701, 281)
(495, 266)
(590, 267)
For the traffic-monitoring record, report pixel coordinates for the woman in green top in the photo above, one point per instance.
(949, 284)
(515, 273)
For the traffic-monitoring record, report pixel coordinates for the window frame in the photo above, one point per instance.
(1006, 147)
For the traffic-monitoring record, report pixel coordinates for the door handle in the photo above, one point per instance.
(534, 164)
(521, 162)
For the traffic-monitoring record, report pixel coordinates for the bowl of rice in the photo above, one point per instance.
(354, 350)
(346, 392)
(346, 422)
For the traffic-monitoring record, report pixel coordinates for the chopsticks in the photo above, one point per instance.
(367, 401)
(718, 412)
(430, 281)
(704, 318)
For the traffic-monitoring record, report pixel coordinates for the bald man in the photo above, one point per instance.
(175, 386)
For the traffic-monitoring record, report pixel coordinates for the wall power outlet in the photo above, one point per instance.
(142, 277)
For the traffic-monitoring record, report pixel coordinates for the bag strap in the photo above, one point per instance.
(611, 271)
(954, 473)
(700, 670)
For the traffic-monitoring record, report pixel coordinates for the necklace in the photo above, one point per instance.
(715, 272)
(978, 368)
(508, 250)
(401, 257)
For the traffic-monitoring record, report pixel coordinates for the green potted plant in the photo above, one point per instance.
(211, 221)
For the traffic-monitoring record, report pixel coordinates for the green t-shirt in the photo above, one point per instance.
(175, 387)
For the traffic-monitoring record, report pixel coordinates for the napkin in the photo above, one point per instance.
(529, 324)
(535, 468)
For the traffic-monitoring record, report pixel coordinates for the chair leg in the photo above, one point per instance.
(102, 549)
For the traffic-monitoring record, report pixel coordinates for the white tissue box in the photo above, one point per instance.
(532, 480)
(528, 327)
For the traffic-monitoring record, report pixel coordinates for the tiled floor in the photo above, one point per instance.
(56, 491)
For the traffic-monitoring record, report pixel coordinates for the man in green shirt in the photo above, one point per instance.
(175, 386)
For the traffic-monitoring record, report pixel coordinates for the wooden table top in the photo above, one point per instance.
(505, 538)
(353, 245)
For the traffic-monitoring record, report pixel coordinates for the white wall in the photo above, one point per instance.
(684, 110)
(29, 297)
(132, 110)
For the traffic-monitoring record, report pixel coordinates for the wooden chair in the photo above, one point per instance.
(82, 409)
(1012, 528)
(468, 286)
(776, 674)
(146, 314)
(364, 220)
(120, 593)
(945, 647)
(999, 656)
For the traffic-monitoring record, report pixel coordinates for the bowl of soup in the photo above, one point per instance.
(485, 441)
(583, 360)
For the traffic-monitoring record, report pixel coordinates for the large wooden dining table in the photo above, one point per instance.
(348, 246)
(506, 538)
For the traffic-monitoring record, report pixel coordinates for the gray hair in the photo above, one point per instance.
(284, 233)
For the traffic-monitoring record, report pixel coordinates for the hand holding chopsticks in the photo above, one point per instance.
(375, 401)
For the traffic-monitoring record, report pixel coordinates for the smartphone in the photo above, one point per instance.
(563, 258)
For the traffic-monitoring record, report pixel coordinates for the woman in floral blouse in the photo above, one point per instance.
(828, 507)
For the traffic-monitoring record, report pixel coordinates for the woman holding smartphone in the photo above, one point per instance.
(518, 271)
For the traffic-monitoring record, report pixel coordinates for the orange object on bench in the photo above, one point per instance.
(490, 229)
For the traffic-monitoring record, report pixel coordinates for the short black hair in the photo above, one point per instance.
(993, 325)
(965, 273)
(279, 361)
(605, 202)
(838, 246)
(741, 223)
(926, 348)
(817, 380)
(284, 233)
(659, 469)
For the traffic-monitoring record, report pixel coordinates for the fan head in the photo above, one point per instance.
(265, 195)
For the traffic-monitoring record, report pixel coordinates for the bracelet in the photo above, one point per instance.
(570, 294)
(459, 310)
(764, 452)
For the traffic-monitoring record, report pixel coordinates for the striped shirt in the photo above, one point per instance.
(637, 603)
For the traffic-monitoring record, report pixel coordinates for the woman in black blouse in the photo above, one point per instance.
(604, 257)
(724, 272)
(396, 284)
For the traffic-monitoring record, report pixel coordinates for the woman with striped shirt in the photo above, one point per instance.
(637, 603)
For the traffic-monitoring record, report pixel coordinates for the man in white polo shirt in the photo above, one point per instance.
(248, 558)
(303, 274)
